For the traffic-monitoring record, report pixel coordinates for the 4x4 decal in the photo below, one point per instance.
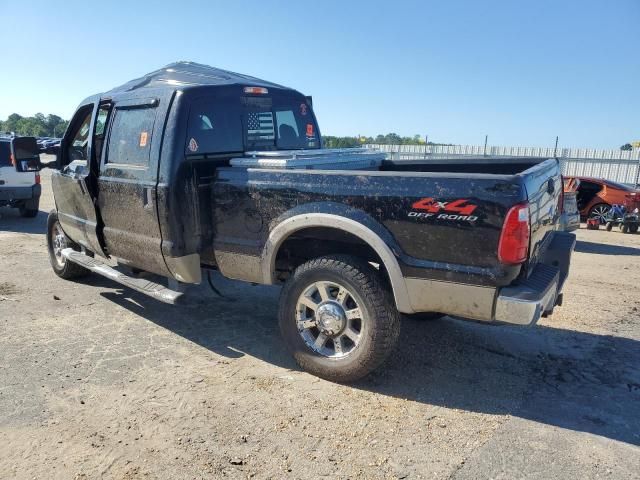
(458, 209)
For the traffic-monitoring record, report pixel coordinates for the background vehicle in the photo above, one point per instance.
(192, 167)
(625, 216)
(595, 195)
(17, 189)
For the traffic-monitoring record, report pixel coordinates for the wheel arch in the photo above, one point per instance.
(287, 227)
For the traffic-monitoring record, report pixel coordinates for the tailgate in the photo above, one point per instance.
(543, 184)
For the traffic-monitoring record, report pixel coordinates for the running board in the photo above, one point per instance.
(152, 289)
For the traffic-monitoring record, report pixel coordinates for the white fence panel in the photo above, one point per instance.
(617, 165)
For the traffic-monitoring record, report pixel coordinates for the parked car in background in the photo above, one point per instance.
(595, 196)
(17, 189)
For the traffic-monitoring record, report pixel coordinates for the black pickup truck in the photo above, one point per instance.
(193, 168)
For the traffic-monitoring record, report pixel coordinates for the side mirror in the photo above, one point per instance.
(25, 154)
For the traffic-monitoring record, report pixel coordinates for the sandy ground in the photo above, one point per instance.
(99, 381)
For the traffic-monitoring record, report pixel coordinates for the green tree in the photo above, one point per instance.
(388, 139)
(39, 125)
(626, 146)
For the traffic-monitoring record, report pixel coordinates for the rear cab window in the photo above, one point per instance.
(220, 124)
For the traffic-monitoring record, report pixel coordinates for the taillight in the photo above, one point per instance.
(13, 159)
(37, 178)
(514, 239)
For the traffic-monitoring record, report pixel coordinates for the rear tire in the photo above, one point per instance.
(29, 209)
(56, 242)
(633, 228)
(24, 212)
(609, 226)
(337, 318)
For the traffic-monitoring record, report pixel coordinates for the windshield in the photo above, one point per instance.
(257, 122)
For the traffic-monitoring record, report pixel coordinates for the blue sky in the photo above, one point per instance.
(520, 71)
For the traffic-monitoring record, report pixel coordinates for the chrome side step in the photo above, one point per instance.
(152, 289)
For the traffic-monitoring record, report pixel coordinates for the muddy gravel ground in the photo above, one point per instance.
(99, 381)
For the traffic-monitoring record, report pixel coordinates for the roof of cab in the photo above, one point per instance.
(190, 74)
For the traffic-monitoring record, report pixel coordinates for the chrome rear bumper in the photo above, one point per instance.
(525, 303)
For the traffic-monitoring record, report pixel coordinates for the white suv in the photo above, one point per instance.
(17, 189)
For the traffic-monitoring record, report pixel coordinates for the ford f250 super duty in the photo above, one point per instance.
(193, 168)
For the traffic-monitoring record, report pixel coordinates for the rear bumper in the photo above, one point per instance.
(525, 303)
(8, 194)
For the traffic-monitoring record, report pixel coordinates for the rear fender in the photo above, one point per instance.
(342, 218)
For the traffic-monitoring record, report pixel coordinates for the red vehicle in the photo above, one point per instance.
(596, 195)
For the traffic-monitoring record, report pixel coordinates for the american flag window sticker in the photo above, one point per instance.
(260, 126)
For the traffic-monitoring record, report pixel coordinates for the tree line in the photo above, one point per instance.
(388, 139)
(39, 125)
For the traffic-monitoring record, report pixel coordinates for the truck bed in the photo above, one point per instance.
(451, 248)
(370, 159)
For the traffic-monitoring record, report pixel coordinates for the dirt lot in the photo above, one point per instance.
(98, 381)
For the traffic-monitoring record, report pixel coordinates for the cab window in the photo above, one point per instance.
(130, 135)
(214, 127)
(100, 129)
(229, 124)
(78, 146)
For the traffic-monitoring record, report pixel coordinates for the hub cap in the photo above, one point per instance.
(59, 243)
(329, 319)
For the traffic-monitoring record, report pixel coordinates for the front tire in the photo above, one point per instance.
(56, 242)
(338, 318)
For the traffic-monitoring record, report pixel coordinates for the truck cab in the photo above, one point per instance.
(122, 175)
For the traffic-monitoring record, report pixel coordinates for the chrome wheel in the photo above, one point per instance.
(59, 243)
(329, 319)
(600, 212)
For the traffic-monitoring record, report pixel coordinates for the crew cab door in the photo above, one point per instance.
(74, 185)
(128, 181)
